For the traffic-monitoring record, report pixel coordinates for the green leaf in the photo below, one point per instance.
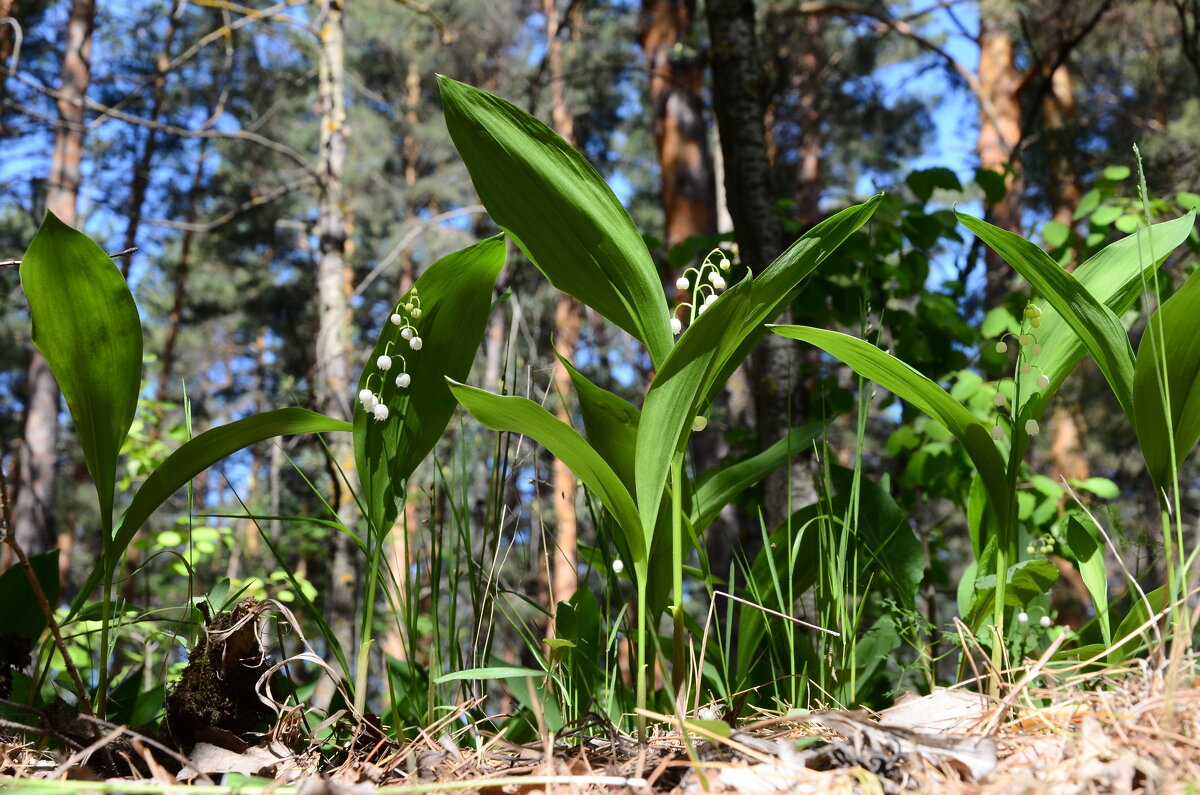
(1056, 233)
(924, 181)
(1117, 173)
(1095, 324)
(1166, 387)
(23, 614)
(1188, 200)
(1089, 202)
(197, 455)
(718, 486)
(1103, 488)
(455, 296)
(609, 422)
(914, 387)
(1086, 549)
(521, 415)
(558, 209)
(1105, 215)
(1156, 601)
(777, 286)
(491, 672)
(1026, 581)
(1114, 275)
(676, 394)
(86, 325)
(992, 182)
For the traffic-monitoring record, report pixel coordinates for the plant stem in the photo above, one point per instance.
(640, 698)
(677, 663)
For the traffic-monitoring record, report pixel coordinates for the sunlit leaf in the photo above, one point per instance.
(86, 325)
(559, 210)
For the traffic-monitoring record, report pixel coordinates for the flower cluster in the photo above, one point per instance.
(403, 315)
(702, 286)
(1028, 348)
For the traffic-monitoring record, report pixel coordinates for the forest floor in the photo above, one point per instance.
(1132, 730)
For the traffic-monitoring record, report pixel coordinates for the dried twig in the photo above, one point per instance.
(14, 263)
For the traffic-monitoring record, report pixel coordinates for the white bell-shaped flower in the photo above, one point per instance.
(676, 326)
(380, 412)
(396, 319)
(407, 332)
(415, 343)
(403, 380)
(681, 283)
(384, 362)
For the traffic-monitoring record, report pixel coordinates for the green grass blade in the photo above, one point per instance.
(455, 299)
(521, 415)
(1168, 423)
(86, 325)
(717, 487)
(1096, 325)
(198, 454)
(558, 209)
(910, 385)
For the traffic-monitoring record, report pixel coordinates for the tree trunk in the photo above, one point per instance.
(39, 455)
(999, 131)
(563, 564)
(737, 102)
(333, 352)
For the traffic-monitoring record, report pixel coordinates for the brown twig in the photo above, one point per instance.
(13, 263)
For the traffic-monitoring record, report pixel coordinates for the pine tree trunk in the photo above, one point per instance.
(738, 104)
(333, 354)
(999, 131)
(563, 572)
(39, 456)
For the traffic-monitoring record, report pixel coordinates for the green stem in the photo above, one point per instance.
(678, 662)
(641, 654)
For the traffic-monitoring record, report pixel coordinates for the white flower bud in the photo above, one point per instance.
(700, 309)
(384, 362)
(699, 424)
(723, 264)
(1024, 339)
(408, 307)
(710, 299)
(1001, 347)
(676, 326)
(998, 400)
(1035, 322)
(1035, 349)
(396, 319)
(719, 283)
(407, 332)
(1022, 617)
(403, 380)
(1042, 381)
(1045, 621)
(1031, 427)
(618, 566)
(415, 343)
(365, 395)
(1025, 368)
(713, 276)
(416, 312)
(381, 412)
(681, 283)
(997, 432)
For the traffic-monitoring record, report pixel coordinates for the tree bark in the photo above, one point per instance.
(34, 529)
(738, 104)
(333, 351)
(999, 131)
(563, 564)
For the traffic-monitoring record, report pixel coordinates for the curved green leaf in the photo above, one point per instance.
(1166, 385)
(1115, 276)
(678, 391)
(197, 455)
(558, 209)
(455, 299)
(717, 487)
(780, 282)
(914, 387)
(1095, 324)
(521, 415)
(609, 422)
(86, 325)
(1087, 550)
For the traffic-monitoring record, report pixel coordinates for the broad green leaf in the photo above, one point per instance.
(910, 385)
(23, 614)
(1056, 233)
(924, 181)
(777, 286)
(1026, 581)
(1115, 276)
(720, 485)
(455, 296)
(1156, 601)
(86, 325)
(1166, 386)
(491, 672)
(610, 423)
(558, 209)
(1085, 547)
(677, 392)
(1095, 324)
(521, 415)
(197, 455)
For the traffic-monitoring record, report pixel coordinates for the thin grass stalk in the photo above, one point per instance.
(678, 661)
